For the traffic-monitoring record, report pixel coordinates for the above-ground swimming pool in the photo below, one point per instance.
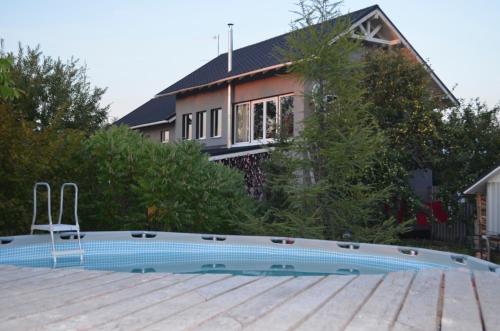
(139, 251)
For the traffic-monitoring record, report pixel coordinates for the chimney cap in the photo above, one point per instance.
(230, 24)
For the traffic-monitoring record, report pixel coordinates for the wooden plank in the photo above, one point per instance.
(93, 319)
(161, 310)
(96, 303)
(51, 281)
(42, 280)
(68, 289)
(421, 307)
(23, 273)
(64, 295)
(251, 310)
(488, 291)
(381, 309)
(460, 307)
(197, 314)
(294, 311)
(336, 312)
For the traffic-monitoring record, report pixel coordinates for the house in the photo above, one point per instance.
(487, 222)
(235, 103)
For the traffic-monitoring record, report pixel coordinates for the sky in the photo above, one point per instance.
(138, 48)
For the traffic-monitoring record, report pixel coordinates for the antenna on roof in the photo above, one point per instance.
(218, 43)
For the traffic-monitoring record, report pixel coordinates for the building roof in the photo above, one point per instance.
(246, 59)
(480, 185)
(157, 110)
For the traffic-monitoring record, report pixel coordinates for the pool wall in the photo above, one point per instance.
(17, 249)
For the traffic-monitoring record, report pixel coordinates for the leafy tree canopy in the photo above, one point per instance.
(54, 93)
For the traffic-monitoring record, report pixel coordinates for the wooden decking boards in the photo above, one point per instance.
(74, 299)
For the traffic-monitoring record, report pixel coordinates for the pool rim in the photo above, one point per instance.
(408, 253)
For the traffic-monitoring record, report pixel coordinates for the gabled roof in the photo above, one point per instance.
(259, 57)
(480, 185)
(156, 111)
(246, 59)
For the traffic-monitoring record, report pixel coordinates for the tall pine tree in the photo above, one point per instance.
(319, 184)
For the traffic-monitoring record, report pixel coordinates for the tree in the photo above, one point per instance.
(405, 106)
(471, 135)
(55, 93)
(7, 89)
(326, 182)
(46, 109)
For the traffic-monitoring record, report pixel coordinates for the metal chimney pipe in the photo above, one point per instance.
(230, 48)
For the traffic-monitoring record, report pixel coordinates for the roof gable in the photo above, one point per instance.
(246, 59)
(369, 24)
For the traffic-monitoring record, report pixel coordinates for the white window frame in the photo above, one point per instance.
(185, 127)
(251, 104)
(219, 123)
(279, 109)
(165, 136)
(203, 116)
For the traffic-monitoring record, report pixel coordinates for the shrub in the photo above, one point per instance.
(134, 183)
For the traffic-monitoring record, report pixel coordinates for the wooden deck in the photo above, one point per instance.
(72, 299)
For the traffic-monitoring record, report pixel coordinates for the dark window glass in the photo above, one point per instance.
(258, 120)
(187, 131)
(286, 107)
(271, 119)
(201, 123)
(215, 122)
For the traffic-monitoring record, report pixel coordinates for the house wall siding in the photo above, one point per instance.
(199, 102)
(243, 91)
(154, 132)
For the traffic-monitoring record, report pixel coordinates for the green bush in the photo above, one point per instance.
(127, 175)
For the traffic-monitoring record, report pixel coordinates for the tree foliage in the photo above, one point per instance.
(129, 174)
(471, 135)
(406, 106)
(322, 180)
(54, 93)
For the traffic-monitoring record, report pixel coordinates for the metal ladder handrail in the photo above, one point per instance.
(53, 227)
(61, 203)
(61, 209)
(34, 203)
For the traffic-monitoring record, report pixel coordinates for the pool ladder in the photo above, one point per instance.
(59, 227)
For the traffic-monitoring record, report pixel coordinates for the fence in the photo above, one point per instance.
(454, 231)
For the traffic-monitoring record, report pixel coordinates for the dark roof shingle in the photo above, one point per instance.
(155, 110)
(246, 59)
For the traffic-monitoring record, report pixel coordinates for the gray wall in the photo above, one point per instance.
(154, 132)
(247, 91)
(198, 102)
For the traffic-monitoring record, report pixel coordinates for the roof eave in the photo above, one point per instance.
(478, 187)
(226, 79)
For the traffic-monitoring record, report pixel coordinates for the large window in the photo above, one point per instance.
(261, 121)
(216, 122)
(201, 124)
(187, 126)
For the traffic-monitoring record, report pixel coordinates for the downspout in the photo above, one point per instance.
(229, 85)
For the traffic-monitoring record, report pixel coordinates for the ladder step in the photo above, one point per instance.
(69, 252)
